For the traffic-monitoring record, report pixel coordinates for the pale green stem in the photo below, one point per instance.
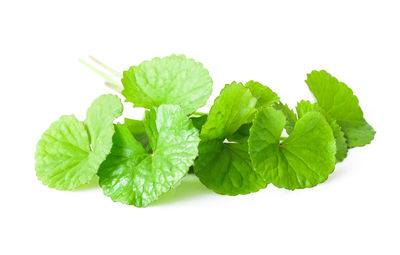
(114, 72)
(115, 87)
(110, 81)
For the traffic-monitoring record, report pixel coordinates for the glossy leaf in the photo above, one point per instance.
(231, 109)
(302, 160)
(133, 175)
(226, 167)
(303, 107)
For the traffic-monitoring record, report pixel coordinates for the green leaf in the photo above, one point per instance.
(303, 107)
(302, 160)
(137, 129)
(340, 140)
(135, 176)
(62, 155)
(226, 167)
(70, 152)
(265, 96)
(99, 122)
(338, 101)
(241, 135)
(169, 80)
(198, 121)
(289, 114)
(231, 109)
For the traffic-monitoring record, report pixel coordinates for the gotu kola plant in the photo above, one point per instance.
(236, 148)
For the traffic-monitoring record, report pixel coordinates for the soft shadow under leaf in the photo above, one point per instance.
(93, 184)
(189, 188)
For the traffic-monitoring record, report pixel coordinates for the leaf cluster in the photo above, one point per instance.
(247, 140)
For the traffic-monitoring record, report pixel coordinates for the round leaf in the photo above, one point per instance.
(226, 168)
(70, 152)
(302, 160)
(170, 80)
(303, 107)
(133, 175)
(63, 157)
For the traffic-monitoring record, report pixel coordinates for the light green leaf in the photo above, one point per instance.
(62, 155)
(231, 109)
(303, 107)
(338, 101)
(265, 96)
(289, 114)
(169, 80)
(99, 122)
(135, 176)
(302, 160)
(67, 155)
(226, 168)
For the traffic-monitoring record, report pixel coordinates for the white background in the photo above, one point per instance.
(274, 42)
